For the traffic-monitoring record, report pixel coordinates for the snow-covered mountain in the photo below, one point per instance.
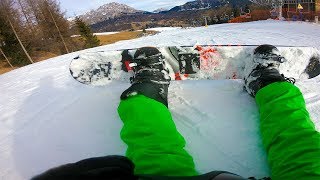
(107, 11)
(48, 119)
(208, 4)
(160, 10)
(114, 9)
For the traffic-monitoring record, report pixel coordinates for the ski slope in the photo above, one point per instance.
(48, 119)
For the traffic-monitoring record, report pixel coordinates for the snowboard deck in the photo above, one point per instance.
(192, 63)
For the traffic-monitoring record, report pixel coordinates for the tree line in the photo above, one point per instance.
(29, 27)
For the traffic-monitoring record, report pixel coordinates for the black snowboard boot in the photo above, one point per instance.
(151, 78)
(264, 69)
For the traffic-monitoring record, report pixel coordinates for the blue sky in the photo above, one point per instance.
(76, 7)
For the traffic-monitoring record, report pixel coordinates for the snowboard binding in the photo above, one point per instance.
(265, 69)
(151, 78)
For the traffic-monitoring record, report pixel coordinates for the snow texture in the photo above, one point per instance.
(48, 119)
(105, 33)
(162, 29)
(99, 34)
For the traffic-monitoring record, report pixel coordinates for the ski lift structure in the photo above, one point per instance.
(206, 19)
(232, 16)
(215, 19)
(244, 14)
(276, 11)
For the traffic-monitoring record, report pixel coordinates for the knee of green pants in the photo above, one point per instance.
(154, 144)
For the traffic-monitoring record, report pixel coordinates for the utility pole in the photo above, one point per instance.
(280, 9)
(205, 21)
(22, 46)
(55, 23)
(6, 58)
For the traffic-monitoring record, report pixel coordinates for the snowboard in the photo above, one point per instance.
(192, 63)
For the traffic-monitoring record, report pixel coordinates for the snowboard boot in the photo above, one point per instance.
(264, 69)
(151, 78)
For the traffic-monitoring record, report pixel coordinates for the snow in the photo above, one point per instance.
(48, 119)
(161, 29)
(70, 19)
(105, 33)
(99, 34)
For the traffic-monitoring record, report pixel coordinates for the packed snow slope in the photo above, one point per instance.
(48, 119)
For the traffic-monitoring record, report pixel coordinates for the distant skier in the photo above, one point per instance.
(156, 148)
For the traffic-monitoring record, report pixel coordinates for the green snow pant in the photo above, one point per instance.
(154, 144)
(289, 136)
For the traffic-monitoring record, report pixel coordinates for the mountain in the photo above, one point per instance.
(160, 10)
(108, 11)
(189, 14)
(115, 10)
(48, 119)
(209, 4)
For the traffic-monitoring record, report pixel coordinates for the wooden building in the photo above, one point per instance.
(317, 3)
(307, 9)
(310, 8)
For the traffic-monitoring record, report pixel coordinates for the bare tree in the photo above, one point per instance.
(55, 24)
(55, 29)
(34, 10)
(26, 15)
(8, 16)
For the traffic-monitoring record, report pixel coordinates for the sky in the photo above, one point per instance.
(77, 7)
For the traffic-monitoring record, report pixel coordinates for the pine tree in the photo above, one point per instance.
(236, 11)
(88, 37)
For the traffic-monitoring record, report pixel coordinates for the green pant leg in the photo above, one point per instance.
(154, 144)
(289, 136)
